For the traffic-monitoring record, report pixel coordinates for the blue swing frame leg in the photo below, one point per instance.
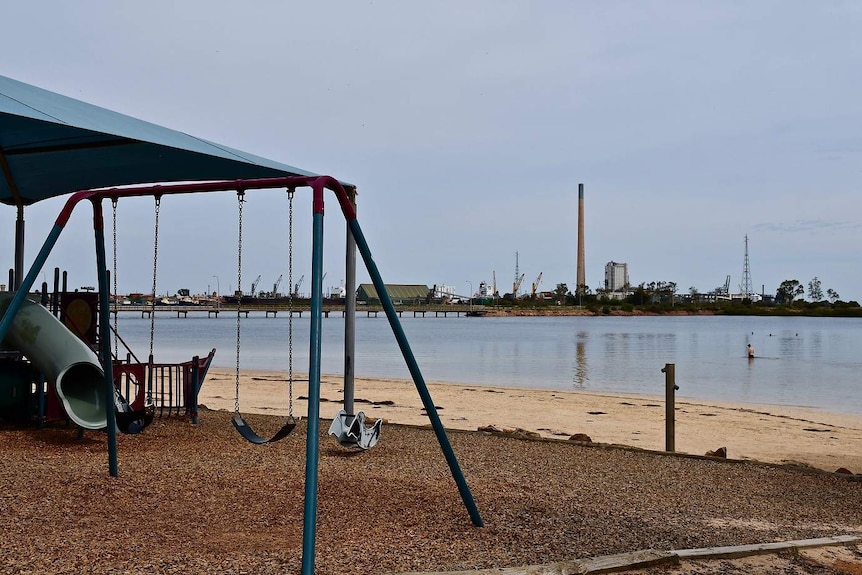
(312, 445)
(418, 379)
(312, 448)
(105, 337)
(29, 280)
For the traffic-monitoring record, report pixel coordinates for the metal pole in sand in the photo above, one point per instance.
(349, 314)
(670, 387)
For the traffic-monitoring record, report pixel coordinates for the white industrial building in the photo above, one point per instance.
(616, 277)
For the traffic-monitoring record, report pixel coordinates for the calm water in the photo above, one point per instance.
(800, 361)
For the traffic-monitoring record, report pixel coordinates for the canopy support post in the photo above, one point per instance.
(19, 223)
(19, 249)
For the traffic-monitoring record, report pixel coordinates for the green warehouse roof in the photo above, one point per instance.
(396, 291)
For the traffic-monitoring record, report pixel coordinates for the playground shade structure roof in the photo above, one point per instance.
(51, 145)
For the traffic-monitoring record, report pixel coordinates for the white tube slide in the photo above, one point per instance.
(62, 358)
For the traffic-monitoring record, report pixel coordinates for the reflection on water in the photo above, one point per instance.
(748, 376)
(582, 373)
(800, 361)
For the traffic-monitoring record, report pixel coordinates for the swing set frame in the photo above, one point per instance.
(355, 240)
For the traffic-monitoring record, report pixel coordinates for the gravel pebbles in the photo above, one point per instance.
(199, 499)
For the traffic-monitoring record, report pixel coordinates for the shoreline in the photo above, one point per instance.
(768, 433)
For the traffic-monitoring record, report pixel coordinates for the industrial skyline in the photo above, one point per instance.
(615, 279)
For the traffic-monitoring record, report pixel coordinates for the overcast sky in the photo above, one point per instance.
(467, 127)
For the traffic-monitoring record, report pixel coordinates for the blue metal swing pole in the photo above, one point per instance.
(28, 281)
(25, 285)
(105, 335)
(309, 528)
(418, 380)
(350, 315)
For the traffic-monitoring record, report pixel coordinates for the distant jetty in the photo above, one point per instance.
(271, 308)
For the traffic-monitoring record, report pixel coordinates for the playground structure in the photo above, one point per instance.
(51, 145)
(52, 341)
(351, 424)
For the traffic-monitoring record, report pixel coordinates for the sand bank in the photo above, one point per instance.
(768, 433)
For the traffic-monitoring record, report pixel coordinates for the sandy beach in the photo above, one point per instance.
(767, 433)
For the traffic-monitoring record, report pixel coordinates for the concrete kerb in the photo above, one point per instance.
(652, 557)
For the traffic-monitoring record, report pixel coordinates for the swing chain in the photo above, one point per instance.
(158, 203)
(290, 192)
(155, 273)
(116, 307)
(240, 200)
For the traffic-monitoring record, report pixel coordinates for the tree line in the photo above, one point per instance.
(789, 290)
(663, 297)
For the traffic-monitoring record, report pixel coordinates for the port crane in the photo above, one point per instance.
(254, 285)
(722, 292)
(275, 286)
(536, 285)
(517, 285)
(296, 286)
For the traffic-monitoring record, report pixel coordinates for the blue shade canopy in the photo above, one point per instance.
(52, 145)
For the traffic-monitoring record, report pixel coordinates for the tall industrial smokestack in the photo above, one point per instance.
(582, 280)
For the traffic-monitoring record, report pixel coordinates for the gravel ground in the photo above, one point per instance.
(199, 499)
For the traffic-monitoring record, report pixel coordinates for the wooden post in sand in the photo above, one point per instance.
(670, 387)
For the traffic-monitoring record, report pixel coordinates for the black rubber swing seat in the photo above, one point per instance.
(249, 434)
